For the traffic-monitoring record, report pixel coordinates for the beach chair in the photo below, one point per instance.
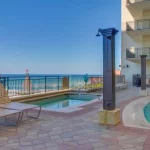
(6, 103)
(22, 107)
(4, 113)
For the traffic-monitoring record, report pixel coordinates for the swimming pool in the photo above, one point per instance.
(63, 101)
(146, 111)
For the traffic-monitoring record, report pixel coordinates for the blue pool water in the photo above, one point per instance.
(59, 102)
(146, 111)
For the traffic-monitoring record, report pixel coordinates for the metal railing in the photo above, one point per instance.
(17, 86)
(136, 52)
(138, 25)
(136, 1)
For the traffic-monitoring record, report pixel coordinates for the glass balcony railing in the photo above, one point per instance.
(136, 52)
(138, 25)
(136, 1)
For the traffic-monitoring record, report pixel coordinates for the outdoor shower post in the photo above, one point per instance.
(143, 91)
(109, 107)
(109, 68)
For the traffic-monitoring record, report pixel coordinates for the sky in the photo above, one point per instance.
(56, 36)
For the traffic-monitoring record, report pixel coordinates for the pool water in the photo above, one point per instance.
(63, 101)
(146, 111)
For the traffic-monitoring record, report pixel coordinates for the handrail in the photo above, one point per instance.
(136, 52)
(31, 85)
(138, 25)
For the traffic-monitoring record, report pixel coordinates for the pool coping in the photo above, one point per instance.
(85, 109)
(124, 128)
(133, 114)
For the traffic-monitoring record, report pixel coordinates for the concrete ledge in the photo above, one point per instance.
(110, 117)
(32, 97)
(143, 92)
(133, 115)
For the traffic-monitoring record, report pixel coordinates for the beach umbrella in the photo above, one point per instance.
(86, 78)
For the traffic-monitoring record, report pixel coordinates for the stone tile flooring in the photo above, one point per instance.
(78, 131)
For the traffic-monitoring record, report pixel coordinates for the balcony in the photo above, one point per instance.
(136, 7)
(137, 29)
(136, 1)
(133, 54)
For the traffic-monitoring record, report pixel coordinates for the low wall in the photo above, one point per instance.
(33, 97)
(119, 87)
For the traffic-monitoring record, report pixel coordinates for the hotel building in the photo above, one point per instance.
(135, 26)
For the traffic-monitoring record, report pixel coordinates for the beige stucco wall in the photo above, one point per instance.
(146, 41)
(146, 13)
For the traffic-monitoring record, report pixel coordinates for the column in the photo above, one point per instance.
(109, 114)
(143, 91)
(109, 68)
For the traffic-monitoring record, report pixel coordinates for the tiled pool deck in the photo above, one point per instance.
(76, 131)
